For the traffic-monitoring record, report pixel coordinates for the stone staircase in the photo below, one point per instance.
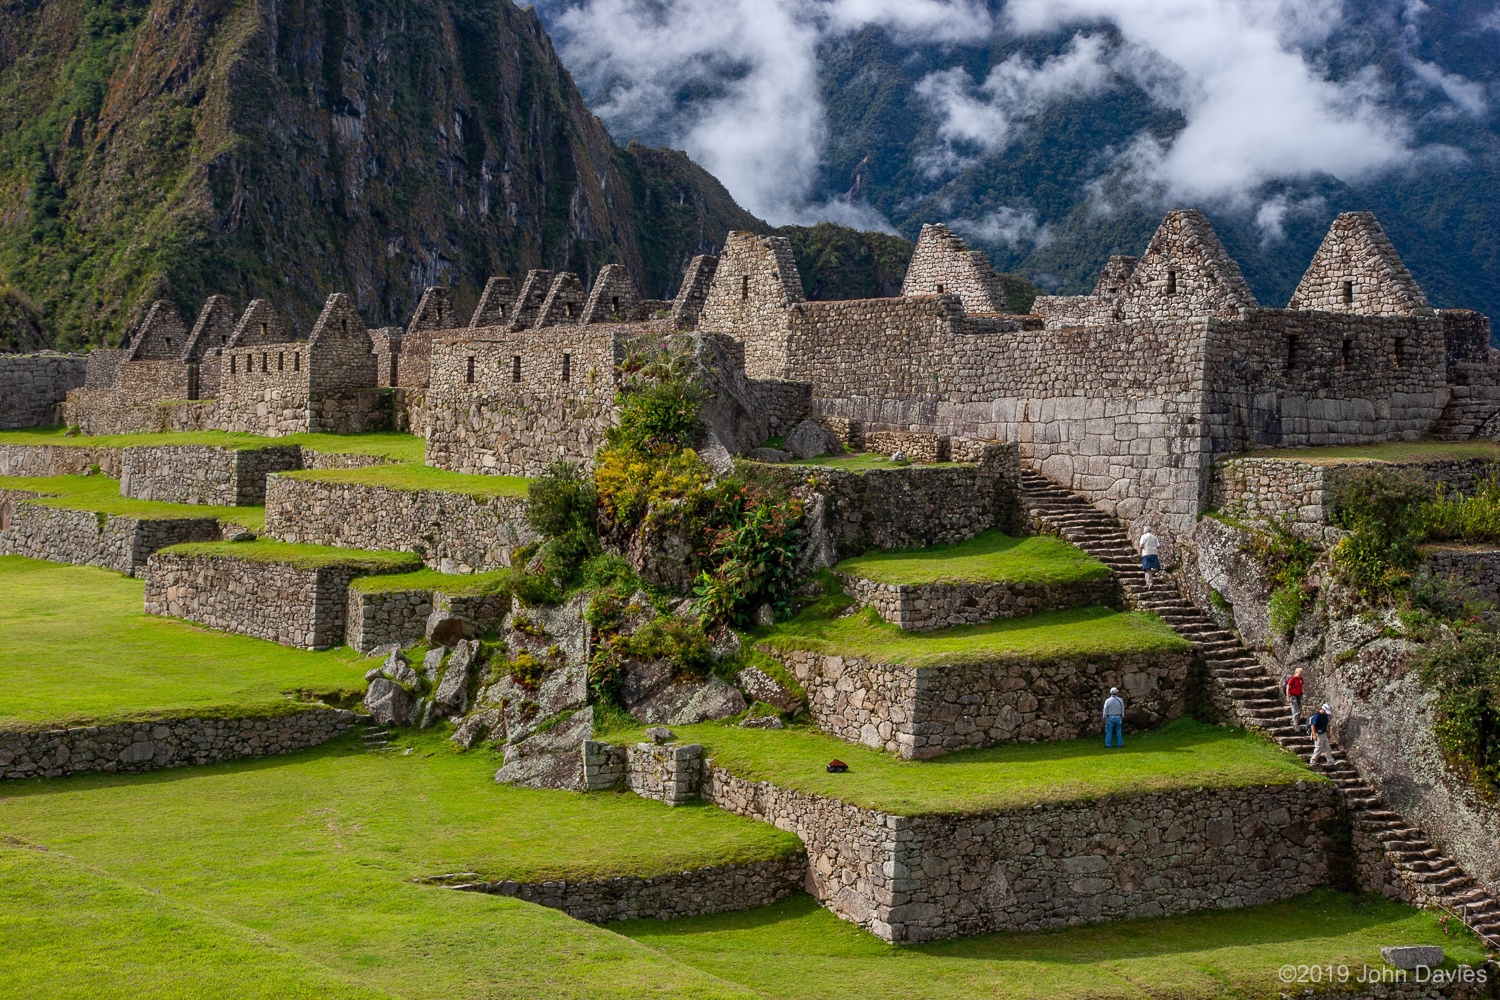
(1256, 699)
(375, 739)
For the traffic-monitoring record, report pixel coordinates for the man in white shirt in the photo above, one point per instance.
(1150, 560)
(1114, 719)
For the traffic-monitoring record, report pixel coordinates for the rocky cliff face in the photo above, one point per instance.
(288, 149)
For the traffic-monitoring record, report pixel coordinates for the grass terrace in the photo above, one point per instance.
(407, 476)
(102, 495)
(386, 444)
(1387, 451)
(1181, 754)
(76, 649)
(457, 584)
(864, 461)
(314, 857)
(992, 557)
(797, 949)
(302, 556)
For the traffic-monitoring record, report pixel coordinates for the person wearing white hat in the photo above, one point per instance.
(1319, 726)
(1114, 719)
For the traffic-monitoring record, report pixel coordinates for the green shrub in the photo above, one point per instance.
(1286, 559)
(658, 402)
(1380, 508)
(1286, 608)
(1472, 518)
(1465, 675)
(561, 507)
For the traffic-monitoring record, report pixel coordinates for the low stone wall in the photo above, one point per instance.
(921, 712)
(921, 607)
(452, 532)
(57, 460)
(110, 411)
(718, 889)
(86, 538)
(146, 746)
(314, 459)
(916, 446)
(672, 774)
(921, 878)
(33, 387)
(1478, 567)
(379, 618)
(269, 600)
(203, 474)
(785, 404)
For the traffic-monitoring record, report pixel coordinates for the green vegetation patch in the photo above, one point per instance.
(302, 556)
(993, 557)
(1073, 632)
(1386, 451)
(318, 853)
(864, 461)
(1181, 754)
(457, 584)
(798, 949)
(387, 444)
(408, 476)
(76, 648)
(101, 495)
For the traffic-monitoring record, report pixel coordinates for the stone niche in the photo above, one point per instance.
(88, 538)
(921, 712)
(203, 474)
(922, 878)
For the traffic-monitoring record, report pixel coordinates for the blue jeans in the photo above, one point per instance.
(1114, 731)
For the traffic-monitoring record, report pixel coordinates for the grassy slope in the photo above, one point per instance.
(421, 477)
(1389, 451)
(388, 444)
(861, 461)
(302, 556)
(797, 949)
(75, 646)
(992, 556)
(1075, 631)
(1182, 754)
(316, 852)
(102, 494)
(492, 582)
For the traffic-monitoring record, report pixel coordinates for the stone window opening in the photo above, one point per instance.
(1291, 352)
(515, 368)
(940, 288)
(1171, 282)
(744, 287)
(231, 364)
(169, 343)
(263, 331)
(568, 309)
(343, 326)
(296, 361)
(1348, 293)
(1346, 355)
(281, 361)
(567, 367)
(1399, 357)
(265, 361)
(469, 370)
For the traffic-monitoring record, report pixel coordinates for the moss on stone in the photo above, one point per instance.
(101, 495)
(413, 477)
(455, 584)
(385, 444)
(301, 556)
(992, 557)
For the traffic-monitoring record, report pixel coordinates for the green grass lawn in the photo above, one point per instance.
(303, 556)
(409, 476)
(75, 647)
(1181, 754)
(315, 854)
(388, 444)
(1388, 451)
(797, 950)
(456, 584)
(990, 557)
(102, 495)
(863, 461)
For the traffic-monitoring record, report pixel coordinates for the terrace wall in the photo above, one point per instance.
(203, 474)
(109, 411)
(87, 538)
(452, 532)
(146, 746)
(57, 460)
(34, 386)
(921, 607)
(921, 712)
(923, 878)
(383, 617)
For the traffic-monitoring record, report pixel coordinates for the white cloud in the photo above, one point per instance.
(1010, 226)
(1271, 216)
(1464, 93)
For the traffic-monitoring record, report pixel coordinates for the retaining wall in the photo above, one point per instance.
(380, 618)
(33, 387)
(1476, 566)
(57, 460)
(921, 607)
(920, 878)
(146, 746)
(926, 711)
(203, 474)
(452, 532)
(87, 538)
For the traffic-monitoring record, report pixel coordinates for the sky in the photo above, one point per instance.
(735, 84)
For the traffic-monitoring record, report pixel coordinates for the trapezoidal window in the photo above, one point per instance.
(469, 370)
(1348, 293)
(231, 364)
(281, 361)
(744, 286)
(568, 309)
(1398, 357)
(515, 368)
(940, 288)
(394, 360)
(296, 361)
(265, 361)
(567, 367)
(1291, 353)
(1346, 355)
(1171, 282)
(614, 303)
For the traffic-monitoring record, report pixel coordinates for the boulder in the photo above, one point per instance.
(662, 558)
(389, 703)
(564, 687)
(819, 548)
(725, 641)
(729, 409)
(771, 456)
(551, 759)
(763, 722)
(761, 686)
(1413, 956)
(650, 694)
(810, 440)
(660, 735)
(715, 455)
(452, 695)
(433, 661)
(478, 726)
(444, 628)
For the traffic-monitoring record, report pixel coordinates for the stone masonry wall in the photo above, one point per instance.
(57, 460)
(1479, 567)
(86, 538)
(203, 474)
(383, 617)
(672, 774)
(109, 411)
(785, 404)
(34, 386)
(920, 607)
(276, 601)
(1054, 865)
(452, 532)
(146, 746)
(921, 712)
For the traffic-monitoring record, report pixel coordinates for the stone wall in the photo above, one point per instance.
(922, 878)
(146, 746)
(696, 893)
(452, 532)
(269, 600)
(920, 607)
(34, 386)
(109, 411)
(1476, 566)
(785, 404)
(672, 773)
(87, 538)
(203, 474)
(921, 712)
(384, 617)
(915, 445)
(57, 460)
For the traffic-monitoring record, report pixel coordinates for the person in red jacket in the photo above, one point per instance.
(1294, 697)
